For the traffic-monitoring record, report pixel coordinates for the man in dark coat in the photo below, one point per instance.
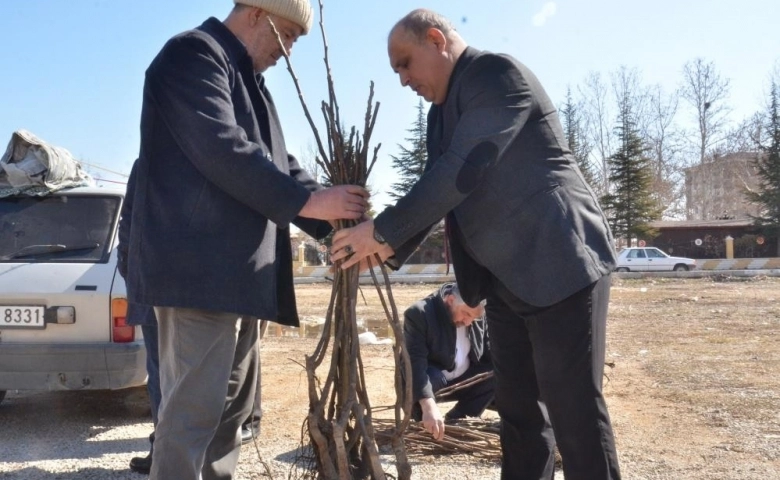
(209, 245)
(525, 232)
(448, 344)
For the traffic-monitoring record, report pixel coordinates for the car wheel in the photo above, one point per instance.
(621, 269)
(2, 395)
(681, 268)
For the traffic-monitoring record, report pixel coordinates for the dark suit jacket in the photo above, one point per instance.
(430, 339)
(137, 314)
(520, 208)
(216, 189)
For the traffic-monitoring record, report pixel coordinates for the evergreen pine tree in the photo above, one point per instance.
(630, 206)
(411, 162)
(577, 139)
(410, 165)
(767, 164)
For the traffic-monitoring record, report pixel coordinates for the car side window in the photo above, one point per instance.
(636, 254)
(653, 253)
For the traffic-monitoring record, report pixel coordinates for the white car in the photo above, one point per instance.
(62, 300)
(651, 259)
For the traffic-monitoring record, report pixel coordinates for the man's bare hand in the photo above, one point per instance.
(432, 419)
(339, 202)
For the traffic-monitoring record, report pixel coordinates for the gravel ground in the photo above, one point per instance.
(93, 435)
(692, 388)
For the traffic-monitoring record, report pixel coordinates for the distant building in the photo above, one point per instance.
(707, 238)
(716, 189)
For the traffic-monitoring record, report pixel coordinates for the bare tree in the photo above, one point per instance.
(752, 132)
(745, 137)
(574, 130)
(630, 94)
(666, 142)
(310, 162)
(706, 91)
(598, 119)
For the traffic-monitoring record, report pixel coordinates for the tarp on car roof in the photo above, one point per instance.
(31, 166)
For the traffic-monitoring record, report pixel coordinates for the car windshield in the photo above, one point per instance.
(56, 228)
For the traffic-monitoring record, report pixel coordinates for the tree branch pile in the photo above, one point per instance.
(472, 436)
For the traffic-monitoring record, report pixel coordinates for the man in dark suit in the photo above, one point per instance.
(209, 245)
(448, 344)
(525, 232)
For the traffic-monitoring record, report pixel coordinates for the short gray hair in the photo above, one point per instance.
(417, 22)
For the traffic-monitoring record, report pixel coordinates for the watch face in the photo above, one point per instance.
(379, 238)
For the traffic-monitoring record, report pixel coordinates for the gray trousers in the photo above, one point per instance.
(208, 371)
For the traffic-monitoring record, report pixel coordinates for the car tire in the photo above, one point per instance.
(621, 269)
(681, 268)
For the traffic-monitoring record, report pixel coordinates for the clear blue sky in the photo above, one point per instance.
(72, 71)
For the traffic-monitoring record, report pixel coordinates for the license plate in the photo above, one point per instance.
(21, 316)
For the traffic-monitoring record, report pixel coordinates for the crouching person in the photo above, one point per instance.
(448, 344)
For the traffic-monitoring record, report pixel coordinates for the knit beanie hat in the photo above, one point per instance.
(296, 11)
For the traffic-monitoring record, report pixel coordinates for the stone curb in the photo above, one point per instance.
(437, 273)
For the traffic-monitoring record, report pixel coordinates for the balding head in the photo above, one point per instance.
(423, 48)
(417, 22)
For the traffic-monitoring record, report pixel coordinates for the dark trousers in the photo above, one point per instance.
(549, 364)
(152, 368)
(253, 420)
(153, 373)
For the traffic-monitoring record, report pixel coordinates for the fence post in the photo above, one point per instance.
(302, 254)
(729, 247)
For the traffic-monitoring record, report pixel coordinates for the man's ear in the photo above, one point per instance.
(449, 302)
(256, 15)
(447, 299)
(436, 37)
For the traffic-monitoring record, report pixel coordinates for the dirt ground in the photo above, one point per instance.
(693, 388)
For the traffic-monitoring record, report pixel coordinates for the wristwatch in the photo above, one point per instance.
(378, 237)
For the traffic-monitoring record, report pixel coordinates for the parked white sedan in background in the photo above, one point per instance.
(651, 259)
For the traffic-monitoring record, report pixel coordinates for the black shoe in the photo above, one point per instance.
(141, 464)
(453, 415)
(247, 433)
